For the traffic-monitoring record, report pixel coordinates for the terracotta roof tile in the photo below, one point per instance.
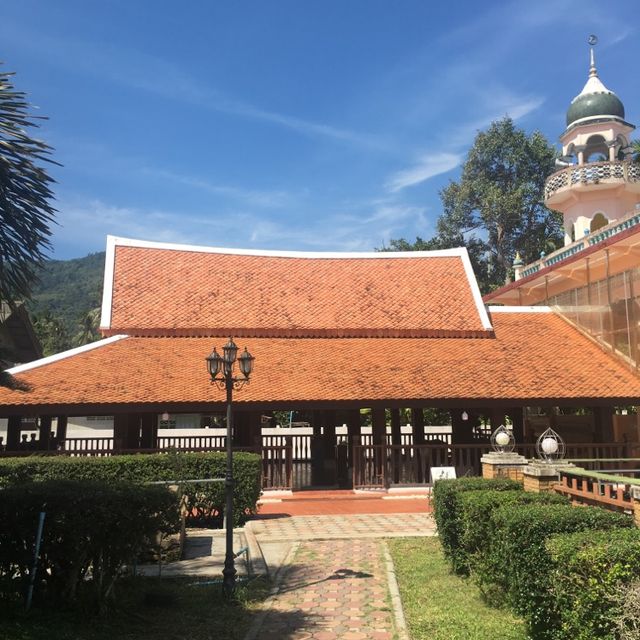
(533, 356)
(188, 292)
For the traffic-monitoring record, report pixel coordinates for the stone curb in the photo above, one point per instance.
(256, 565)
(394, 593)
(254, 630)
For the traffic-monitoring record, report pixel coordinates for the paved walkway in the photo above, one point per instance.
(336, 579)
(331, 590)
(362, 526)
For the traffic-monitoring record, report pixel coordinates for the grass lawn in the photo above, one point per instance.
(158, 608)
(441, 606)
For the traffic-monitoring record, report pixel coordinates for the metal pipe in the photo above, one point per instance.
(32, 577)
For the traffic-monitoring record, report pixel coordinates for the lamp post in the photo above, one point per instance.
(221, 370)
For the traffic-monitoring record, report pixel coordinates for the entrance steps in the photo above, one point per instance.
(345, 502)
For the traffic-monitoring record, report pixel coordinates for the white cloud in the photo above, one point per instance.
(144, 72)
(427, 167)
(253, 197)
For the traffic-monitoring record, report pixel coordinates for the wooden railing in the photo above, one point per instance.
(191, 443)
(87, 446)
(277, 467)
(592, 488)
(386, 465)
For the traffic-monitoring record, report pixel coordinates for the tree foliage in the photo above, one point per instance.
(25, 195)
(496, 208)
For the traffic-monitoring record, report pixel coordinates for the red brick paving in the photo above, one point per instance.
(333, 590)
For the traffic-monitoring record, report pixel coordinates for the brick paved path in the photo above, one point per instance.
(335, 527)
(332, 590)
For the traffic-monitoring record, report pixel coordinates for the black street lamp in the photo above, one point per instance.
(221, 372)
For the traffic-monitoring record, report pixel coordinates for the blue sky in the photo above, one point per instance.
(310, 125)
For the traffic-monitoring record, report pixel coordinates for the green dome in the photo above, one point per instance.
(591, 105)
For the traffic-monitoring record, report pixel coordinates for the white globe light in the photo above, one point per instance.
(502, 439)
(549, 446)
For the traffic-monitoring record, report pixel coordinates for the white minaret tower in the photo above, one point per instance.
(598, 184)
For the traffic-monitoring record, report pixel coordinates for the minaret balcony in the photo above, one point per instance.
(590, 177)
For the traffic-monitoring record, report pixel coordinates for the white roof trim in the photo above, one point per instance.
(65, 354)
(475, 290)
(146, 244)
(514, 309)
(107, 287)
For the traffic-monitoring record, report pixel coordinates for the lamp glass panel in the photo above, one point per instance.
(213, 363)
(246, 363)
(230, 351)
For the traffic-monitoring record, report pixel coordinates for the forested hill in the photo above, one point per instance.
(64, 299)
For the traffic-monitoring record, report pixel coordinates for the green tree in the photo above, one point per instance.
(89, 328)
(25, 195)
(496, 208)
(51, 333)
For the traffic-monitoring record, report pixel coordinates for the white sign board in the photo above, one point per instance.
(442, 473)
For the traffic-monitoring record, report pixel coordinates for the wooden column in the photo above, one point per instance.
(497, 418)
(417, 421)
(396, 430)
(61, 431)
(14, 428)
(44, 432)
(317, 448)
(126, 431)
(461, 429)
(379, 433)
(603, 424)
(517, 417)
(149, 431)
(353, 430)
(378, 425)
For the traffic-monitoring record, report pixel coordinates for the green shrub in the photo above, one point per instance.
(204, 501)
(90, 529)
(518, 561)
(589, 571)
(448, 513)
(476, 523)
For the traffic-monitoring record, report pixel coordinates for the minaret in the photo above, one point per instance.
(597, 185)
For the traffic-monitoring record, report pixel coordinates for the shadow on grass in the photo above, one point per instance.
(158, 608)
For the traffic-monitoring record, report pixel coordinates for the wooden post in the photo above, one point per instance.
(461, 429)
(379, 437)
(497, 418)
(417, 421)
(353, 431)
(44, 433)
(396, 431)
(61, 431)
(149, 431)
(126, 431)
(14, 428)
(517, 417)
(603, 424)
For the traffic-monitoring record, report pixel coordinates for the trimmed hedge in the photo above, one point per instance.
(476, 523)
(204, 501)
(590, 570)
(91, 529)
(519, 563)
(448, 512)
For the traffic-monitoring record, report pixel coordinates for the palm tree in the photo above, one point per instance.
(89, 328)
(25, 195)
(635, 151)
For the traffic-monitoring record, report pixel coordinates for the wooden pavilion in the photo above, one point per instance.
(332, 334)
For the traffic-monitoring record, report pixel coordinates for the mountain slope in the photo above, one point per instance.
(69, 289)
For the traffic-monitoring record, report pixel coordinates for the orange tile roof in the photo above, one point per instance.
(180, 291)
(534, 356)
